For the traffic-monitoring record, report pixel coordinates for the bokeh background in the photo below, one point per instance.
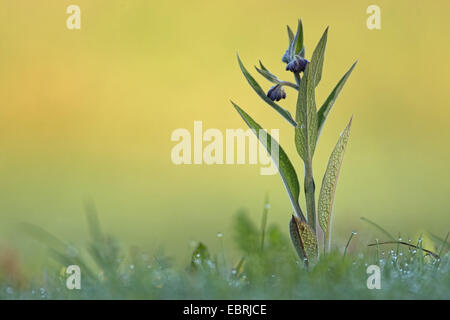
(89, 113)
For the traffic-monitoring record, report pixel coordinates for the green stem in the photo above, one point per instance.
(297, 79)
(289, 84)
(310, 195)
(348, 242)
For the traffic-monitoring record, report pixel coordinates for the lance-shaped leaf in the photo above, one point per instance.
(267, 74)
(283, 112)
(306, 116)
(329, 102)
(296, 47)
(303, 239)
(290, 35)
(329, 182)
(285, 167)
(318, 58)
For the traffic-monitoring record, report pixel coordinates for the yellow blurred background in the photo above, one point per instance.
(89, 113)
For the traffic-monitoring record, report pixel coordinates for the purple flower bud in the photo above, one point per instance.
(276, 93)
(285, 57)
(297, 65)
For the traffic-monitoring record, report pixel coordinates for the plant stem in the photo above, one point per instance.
(264, 221)
(289, 84)
(310, 195)
(297, 79)
(348, 242)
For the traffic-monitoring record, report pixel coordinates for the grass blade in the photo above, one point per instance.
(378, 227)
(329, 102)
(417, 247)
(264, 221)
(283, 112)
(285, 167)
(439, 239)
(329, 182)
(348, 242)
(444, 245)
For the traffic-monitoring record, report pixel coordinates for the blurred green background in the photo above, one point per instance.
(89, 113)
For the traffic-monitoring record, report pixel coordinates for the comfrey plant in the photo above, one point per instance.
(308, 125)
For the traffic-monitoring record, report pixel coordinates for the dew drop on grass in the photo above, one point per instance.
(267, 206)
(219, 234)
(131, 266)
(233, 271)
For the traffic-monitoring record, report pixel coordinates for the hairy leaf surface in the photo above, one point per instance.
(304, 239)
(329, 182)
(329, 102)
(285, 167)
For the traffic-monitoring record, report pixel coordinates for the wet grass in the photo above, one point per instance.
(267, 269)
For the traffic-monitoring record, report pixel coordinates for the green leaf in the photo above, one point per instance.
(297, 43)
(306, 116)
(200, 258)
(329, 182)
(267, 74)
(303, 239)
(290, 35)
(285, 167)
(306, 131)
(283, 112)
(317, 59)
(329, 102)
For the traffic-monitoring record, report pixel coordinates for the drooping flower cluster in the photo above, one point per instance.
(295, 63)
(276, 93)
